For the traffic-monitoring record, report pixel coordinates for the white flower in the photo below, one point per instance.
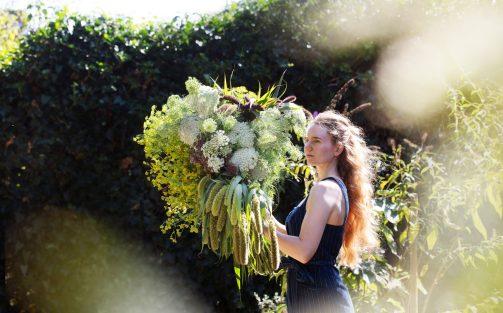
(294, 151)
(189, 129)
(265, 138)
(218, 145)
(201, 98)
(261, 171)
(269, 120)
(207, 101)
(270, 115)
(245, 159)
(296, 120)
(242, 135)
(192, 85)
(209, 125)
(215, 164)
(229, 122)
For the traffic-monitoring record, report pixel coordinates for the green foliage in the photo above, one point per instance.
(440, 212)
(79, 88)
(12, 24)
(76, 91)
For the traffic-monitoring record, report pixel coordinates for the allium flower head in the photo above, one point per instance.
(209, 125)
(229, 123)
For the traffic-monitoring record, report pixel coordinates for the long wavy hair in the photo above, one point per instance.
(355, 165)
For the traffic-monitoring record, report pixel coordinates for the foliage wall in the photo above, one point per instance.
(77, 90)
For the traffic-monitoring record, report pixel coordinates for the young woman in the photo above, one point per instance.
(334, 220)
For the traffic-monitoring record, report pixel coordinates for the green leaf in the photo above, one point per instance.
(390, 179)
(237, 273)
(413, 231)
(403, 236)
(421, 287)
(431, 239)
(477, 222)
(424, 269)
(389, 239)
(495, 199)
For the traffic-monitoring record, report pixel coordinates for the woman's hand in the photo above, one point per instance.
(265, 224)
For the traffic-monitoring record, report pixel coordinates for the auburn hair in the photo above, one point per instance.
(355, 165)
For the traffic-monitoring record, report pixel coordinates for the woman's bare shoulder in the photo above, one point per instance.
(326, 189)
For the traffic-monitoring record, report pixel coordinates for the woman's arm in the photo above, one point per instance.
(279, 227)
(322, 198)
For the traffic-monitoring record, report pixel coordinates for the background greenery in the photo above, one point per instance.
(75, 91)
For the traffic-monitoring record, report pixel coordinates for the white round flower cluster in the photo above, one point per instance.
(245, 159)
(266, 137)
(296, 119)
(218, 145)
(229, 122)
(270, 115)
(206, 101)
(269, 120)
(294, 151)
(209, 125)
(189, 129)
(203, 99)
(261, 171)
(192, 85)
(242, 135)
(215, 164)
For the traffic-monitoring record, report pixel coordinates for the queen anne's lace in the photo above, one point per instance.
(296, 120)
(189, 129)
(218, 145)
(215, 164)
(242, 135)
(245, 159)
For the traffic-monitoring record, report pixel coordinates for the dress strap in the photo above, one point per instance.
(344, 192)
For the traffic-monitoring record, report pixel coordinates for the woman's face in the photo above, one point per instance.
(318, 146)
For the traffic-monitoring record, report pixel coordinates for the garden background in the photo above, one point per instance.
(81, 222)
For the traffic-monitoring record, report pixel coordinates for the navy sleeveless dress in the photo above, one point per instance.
(317, 286)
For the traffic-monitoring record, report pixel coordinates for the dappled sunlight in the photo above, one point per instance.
(62, 261)
(414, 73)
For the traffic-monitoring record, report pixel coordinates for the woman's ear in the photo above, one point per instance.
(338, 149)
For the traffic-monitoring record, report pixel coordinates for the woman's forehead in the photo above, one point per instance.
(315, 130)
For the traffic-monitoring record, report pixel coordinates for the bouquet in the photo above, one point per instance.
(217, 155)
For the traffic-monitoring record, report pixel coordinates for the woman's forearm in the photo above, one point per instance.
(294, 247)
(290, 245)
(279, 227)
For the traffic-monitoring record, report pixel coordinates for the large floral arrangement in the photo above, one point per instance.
(217, 155)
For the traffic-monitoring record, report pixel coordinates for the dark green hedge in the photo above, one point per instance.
(79, 89)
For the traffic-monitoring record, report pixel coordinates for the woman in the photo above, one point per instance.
(333, 218)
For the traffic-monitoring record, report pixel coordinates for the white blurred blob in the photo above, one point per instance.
(428, 46)
(63, 261)
(414, 73)
(411, 77)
